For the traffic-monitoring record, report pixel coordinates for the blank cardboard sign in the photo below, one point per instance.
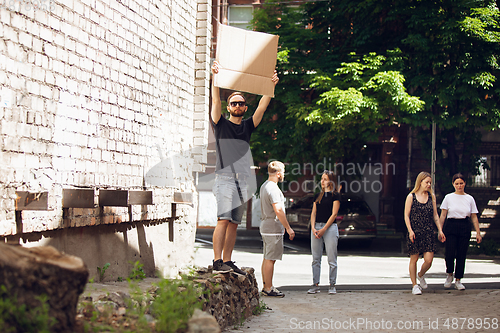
(247, 60)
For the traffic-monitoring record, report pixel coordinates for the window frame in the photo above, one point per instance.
(238, 23)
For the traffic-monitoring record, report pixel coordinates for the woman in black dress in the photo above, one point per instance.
(420, 211)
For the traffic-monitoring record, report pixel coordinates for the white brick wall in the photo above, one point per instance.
(202, 83)
(101, 94)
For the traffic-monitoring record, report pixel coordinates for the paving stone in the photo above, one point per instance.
(379, 311)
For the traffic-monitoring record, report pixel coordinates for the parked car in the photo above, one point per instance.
(355, 219)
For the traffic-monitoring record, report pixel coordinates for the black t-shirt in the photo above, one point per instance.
(234, 145)
(324, 209)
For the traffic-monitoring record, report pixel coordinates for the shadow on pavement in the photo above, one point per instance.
(433, 288)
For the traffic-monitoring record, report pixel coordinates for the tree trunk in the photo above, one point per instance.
(452, 153)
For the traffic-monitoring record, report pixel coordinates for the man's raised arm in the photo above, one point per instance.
(263, 103)
(215, 113)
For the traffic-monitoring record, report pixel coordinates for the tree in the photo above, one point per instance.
(452, 52)
(325, 106)
(447, 51)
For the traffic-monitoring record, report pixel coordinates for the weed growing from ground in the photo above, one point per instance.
(137, 272)
(260, 308)
(138, 308)
(102, 271)
(241, 322)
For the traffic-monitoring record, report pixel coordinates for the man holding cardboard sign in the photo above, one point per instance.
(232, 168)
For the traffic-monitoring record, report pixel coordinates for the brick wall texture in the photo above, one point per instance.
(101, 94)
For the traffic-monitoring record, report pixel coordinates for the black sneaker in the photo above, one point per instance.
(220, 267)
(235, 268)
(273, 293)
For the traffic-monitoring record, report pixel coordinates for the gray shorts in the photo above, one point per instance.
(229, 204)
(273, 247)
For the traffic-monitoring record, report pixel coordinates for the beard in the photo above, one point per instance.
(237, 113)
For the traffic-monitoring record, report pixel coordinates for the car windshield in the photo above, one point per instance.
(303, 203)
(347, 206)
(354, 207)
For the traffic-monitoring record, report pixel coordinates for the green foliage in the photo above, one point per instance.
(104, 320)
(137, 272)
(260, 308)
(16, 317)
(174, 303)
(362, 90)
(417, 62)
(168, 309)
(138, 305)
(102, 271)
(332, 101)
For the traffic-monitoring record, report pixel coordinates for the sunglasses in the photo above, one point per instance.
(233, 104)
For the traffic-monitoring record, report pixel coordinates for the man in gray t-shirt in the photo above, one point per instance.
(273, 224)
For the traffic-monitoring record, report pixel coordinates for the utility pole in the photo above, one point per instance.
(433, 157)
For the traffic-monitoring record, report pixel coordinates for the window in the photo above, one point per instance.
(482, 178)
(487, 177)
(240, 16)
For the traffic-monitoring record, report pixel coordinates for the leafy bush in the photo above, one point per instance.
(16, 317)
(174, 303)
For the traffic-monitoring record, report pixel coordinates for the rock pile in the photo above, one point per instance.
(228, 299)
(232, 297)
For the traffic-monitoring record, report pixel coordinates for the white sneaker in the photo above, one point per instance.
(313, 290)
(459, 285)
(449, 280)
(416, 290)
(423, 284)
(332, 290)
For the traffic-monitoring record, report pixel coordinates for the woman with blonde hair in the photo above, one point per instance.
(420, 212)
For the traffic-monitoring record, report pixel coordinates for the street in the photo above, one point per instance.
(373, 291)
(382, 266)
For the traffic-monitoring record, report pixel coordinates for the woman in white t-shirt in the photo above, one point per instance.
(458, 208)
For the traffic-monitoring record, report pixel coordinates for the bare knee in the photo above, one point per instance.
(222, 223)
(231, 225)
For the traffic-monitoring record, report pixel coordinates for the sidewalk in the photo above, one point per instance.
(373, 293)
(375, 268)
(435, 310)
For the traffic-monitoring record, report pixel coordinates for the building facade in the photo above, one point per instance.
(103, 126)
